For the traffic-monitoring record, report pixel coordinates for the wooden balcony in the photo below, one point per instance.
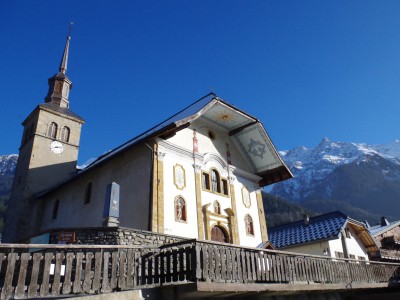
(194, 266)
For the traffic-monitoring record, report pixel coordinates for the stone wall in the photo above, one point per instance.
(115, 236)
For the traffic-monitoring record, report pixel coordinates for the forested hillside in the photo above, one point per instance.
(279, 211)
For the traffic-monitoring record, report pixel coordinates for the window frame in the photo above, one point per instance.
(249, 218)
(52, 130)
(222, 183)
(217, 207)
(339, 254)
(55, 210)
(184, 218)
(65, 134)
(88, 193)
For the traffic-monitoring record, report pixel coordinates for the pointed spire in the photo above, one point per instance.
(59, 84)
(64, 60)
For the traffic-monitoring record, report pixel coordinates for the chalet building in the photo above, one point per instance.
(198, 175)
(387, 237)
(333, 234)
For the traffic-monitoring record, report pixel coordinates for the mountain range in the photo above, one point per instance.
(359, 179)
(7, 170)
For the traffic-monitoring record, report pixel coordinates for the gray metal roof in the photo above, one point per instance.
(62, 110)
(248, 132)
(379, 229)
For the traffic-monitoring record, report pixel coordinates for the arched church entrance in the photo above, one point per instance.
(219, 235)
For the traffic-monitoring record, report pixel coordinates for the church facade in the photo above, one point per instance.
(198, 174)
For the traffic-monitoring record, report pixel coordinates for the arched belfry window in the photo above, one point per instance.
(180, 209)
(248, 221)
(215, 181)
(217, 207)
(65, 134)
(52, 131)
(88, 193)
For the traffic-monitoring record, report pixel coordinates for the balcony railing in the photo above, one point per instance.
(53, 270)
(390, 254)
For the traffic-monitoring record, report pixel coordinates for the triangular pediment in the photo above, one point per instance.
(248, 134)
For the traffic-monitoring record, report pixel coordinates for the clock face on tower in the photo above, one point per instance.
(56, 147)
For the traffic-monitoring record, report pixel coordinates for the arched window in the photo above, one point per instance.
(52, 132)
(215, 181)
(88, 193)
(65, 134)
(249, 225)
(180, 209)
(55, 209)
(217, 207)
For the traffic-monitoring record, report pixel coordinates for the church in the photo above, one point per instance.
(197, 175)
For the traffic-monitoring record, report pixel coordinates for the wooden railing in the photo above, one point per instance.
(53, 270)
(221, 263)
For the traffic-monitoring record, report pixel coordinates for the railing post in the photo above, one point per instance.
(196, 262)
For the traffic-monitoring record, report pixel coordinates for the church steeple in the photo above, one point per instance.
(64, 60)
(59, 84)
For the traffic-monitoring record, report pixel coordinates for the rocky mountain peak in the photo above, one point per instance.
(338, 171)
(8, 164)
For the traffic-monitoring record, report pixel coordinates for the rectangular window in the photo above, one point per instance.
(339, 254)
(352, 256)
(206, 181)
(55, 209)
(225, 186)
(361, 258)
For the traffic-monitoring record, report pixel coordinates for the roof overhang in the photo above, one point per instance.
(250, 136)
(364, 235)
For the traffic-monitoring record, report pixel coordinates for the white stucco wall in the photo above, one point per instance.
(171, 191)
(212, 155)
(335, 245)
(355, 246)
(316, 248)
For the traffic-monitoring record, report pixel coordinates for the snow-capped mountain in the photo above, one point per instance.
(8, 164)
(7, 170)
(344, 172)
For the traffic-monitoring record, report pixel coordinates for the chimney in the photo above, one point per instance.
(367, 224)
(384, 221)
(306, 219)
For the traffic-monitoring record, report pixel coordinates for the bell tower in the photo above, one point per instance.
(48, 153)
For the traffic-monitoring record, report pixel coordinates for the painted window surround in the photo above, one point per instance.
(202, 159)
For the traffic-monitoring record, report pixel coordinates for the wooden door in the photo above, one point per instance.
(218, 235)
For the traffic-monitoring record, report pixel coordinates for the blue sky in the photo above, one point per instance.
(306, 69)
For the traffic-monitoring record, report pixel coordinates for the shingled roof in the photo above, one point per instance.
(320, 228)
(323, 227)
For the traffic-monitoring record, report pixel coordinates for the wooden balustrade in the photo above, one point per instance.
(29, 271)
(222, 263)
